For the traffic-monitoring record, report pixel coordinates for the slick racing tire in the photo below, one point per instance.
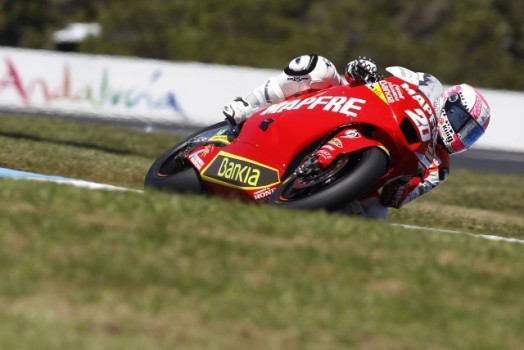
(348, 178)
(169, 175)
(165, 176)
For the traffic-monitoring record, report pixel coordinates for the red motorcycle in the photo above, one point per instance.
(367, 136)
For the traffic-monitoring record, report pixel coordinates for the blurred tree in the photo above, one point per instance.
(29, 23)
(19, 17)
(475, 41)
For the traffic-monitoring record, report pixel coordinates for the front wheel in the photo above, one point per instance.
(173, 172)
(169, 173)
(347, 179)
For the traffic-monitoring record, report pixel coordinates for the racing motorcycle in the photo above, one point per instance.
(366, 136)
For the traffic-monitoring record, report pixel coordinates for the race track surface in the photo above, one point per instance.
(489, 160)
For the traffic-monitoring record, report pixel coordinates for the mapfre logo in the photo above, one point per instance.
(348, 106)
(233, 171)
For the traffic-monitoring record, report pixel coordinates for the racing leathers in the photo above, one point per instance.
(304, 74)
(309, 73)
(399, 192)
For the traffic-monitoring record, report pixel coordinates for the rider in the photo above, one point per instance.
(463, 115)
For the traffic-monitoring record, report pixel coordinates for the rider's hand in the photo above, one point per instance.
(363, 70)
(237, 111)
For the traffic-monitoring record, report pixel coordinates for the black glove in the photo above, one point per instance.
(363, 70)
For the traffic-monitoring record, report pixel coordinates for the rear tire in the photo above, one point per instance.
(347, 179)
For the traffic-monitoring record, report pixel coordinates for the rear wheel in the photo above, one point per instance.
(349, 177)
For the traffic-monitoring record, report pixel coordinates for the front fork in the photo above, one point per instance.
(344, 142)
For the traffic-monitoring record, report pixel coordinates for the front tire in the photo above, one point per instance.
(166, 175)
(172, 173)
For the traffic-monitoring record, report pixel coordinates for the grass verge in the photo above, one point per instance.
(122, 270)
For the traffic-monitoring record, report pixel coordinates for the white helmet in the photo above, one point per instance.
(463, 119)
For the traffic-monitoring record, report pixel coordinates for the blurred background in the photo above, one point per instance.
(477, 41)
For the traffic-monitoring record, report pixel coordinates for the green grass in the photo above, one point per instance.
(82, 269)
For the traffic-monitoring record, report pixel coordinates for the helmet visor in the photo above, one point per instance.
(465, 126)
(470, 133)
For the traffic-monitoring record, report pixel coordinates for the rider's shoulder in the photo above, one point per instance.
(405, 74)
(412, 77)
(425, 83)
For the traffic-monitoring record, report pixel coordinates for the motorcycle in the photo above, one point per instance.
(367, 135)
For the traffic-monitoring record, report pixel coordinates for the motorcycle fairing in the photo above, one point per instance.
(347, 141)
(353, 140)
(239, 172)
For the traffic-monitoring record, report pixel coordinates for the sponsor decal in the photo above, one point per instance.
(324, 154)
(337, 104)
(335, 142)
(196, 157)
(351, 134)
(448, 130)
(297, 79)
(219, 138)
(421, 122)
(418, 97)
(378, 91)
(196, 161)
(392, 92)
(203, 152)
(238, 172)
(263, 195)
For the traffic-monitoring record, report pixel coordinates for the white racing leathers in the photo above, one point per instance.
(306, 73)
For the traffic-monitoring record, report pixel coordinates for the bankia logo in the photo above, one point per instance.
(238, 172)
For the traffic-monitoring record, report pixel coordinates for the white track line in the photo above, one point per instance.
(85, 184)
(23, 175)
(488, 237)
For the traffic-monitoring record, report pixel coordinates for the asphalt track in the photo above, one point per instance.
(495, 161)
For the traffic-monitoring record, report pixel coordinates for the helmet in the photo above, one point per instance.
(463, 119)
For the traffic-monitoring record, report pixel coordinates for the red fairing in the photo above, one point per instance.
(346, 141)
(390, 114)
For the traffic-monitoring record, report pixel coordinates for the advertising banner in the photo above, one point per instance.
(152, 92)
(113, 87)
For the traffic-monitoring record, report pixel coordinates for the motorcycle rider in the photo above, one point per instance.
(463, 116)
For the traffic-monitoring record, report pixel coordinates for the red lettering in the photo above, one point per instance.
(12, 80)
